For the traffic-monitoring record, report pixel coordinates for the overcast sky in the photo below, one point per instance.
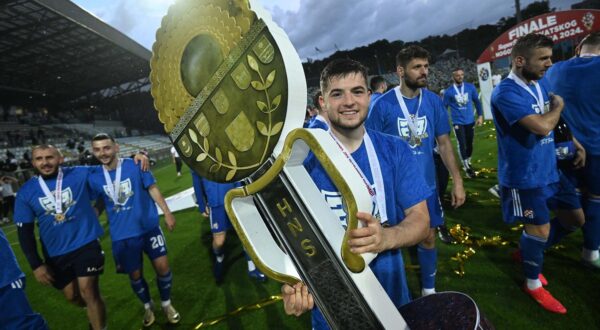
(327, 24)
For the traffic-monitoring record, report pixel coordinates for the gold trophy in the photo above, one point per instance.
(230, 90)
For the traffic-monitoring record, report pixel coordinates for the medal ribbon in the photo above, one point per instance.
(113, 187)
(378, 196)
(411, 121)
(539, 99)
(57, 198)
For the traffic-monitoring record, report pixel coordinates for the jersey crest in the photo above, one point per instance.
(405, 133)
(462, 99)
(66, 200)
(124, 192)
(337, 204)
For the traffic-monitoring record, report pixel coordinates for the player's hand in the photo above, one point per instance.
(170, 221)
(43, 274)
(369, 238)
(580, 155)
(458, 196)
(206, 212)
(479, 121)
(142, 160)
(296, 299)
(556, 102)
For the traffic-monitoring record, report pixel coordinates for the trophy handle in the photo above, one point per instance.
(297, 144)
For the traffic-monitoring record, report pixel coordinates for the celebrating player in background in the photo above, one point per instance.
(418, 116)
(527, 169)
(400, 218)
(129, 195)
(460, 97)
(16, 311)
(378, 87)
(176, 160)
(211, 195)
(60, 199)
(318, 121)
(578, 81)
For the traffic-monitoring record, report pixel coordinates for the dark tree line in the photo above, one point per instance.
(379, 56)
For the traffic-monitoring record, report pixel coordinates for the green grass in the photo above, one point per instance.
(491, 278)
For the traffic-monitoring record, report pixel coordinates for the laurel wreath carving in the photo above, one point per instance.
(268, 129)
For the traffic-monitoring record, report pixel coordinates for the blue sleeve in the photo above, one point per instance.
(410, 181)
(375, 120)
(510, 104)
(441, 124)
(147, 177)
(23, 212)
(447, 98)
(476, 101)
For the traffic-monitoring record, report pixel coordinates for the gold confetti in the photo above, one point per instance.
(251, 307)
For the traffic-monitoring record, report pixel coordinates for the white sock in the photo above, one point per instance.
(469, 161)
(590, 255)
(165, 303)
(427, 291)
(251, 266)
(147, 306)
(533, 284)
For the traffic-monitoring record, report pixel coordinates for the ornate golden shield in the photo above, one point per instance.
(220, 87)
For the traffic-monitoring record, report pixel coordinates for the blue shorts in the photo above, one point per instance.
(87, 260)
(436, 214)
(219, 221)
(529, 206)
(128, 253)
(16, 313)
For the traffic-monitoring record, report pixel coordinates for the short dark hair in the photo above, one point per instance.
(406, 54)
(341, 68)
(592, 39)
(528, 43)
(315, 100)
(376, 82)
(103, 136)
(458, 69)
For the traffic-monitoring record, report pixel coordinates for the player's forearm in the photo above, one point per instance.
(411, 231)
(447, 155)
(158, 198)
(26, 233)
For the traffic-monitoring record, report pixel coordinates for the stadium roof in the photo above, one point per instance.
(52, 51)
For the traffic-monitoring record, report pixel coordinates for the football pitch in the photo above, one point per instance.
(480, 267)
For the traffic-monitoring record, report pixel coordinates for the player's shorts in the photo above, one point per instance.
(15, 311)
(88, 260)
(529, 206)
(436, 214)
(219, 221)
(128, 253)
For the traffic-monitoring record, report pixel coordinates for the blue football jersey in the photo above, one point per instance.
(80, 225)
(137, 211)
(318, 122)
(525, 160)
(404, 187)
(577, 81)
(431, 122)
(461, 106)
(10, 268)
(374, 97)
